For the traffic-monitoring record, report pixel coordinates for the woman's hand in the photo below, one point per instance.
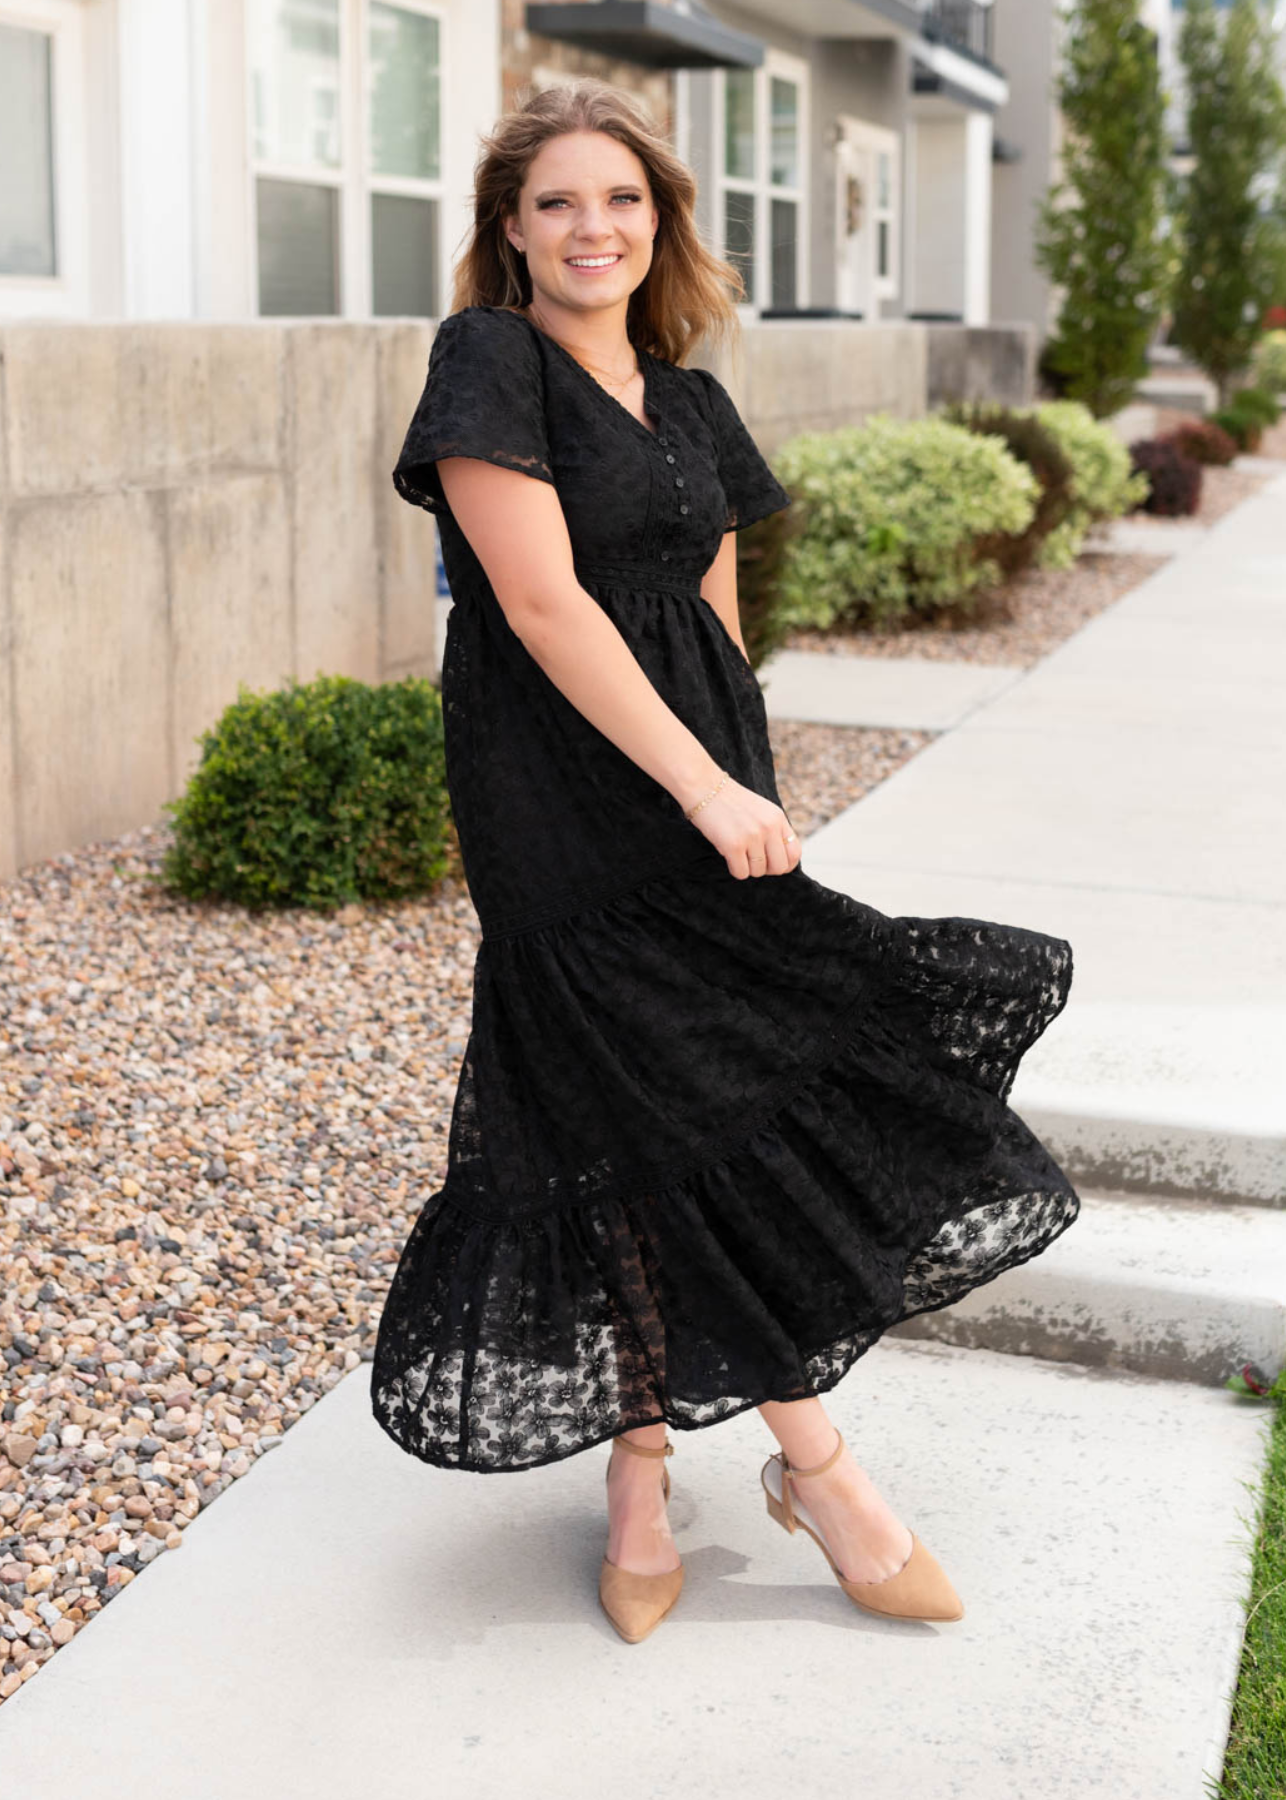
(749, 831)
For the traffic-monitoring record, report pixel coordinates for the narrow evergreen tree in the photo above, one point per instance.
(1234, 255)
(1101, 232)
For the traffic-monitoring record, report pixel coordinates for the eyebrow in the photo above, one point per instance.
(621, 186)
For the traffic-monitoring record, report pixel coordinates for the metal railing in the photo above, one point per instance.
(963, 24)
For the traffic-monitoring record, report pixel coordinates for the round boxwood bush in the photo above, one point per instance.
(1103, 484)
(891, 512)
(1174, 480)
(1203, 441)
(1256, 403)
(1026, 438)
(315, 795)
(1244, 430)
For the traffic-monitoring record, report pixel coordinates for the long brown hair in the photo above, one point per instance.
(681, 301)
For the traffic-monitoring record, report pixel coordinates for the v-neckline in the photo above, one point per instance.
(646, 363)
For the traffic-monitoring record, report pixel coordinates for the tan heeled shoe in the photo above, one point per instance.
(635, 1603)
(918, 1590)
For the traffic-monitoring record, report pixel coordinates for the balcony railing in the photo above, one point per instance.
(963, 24)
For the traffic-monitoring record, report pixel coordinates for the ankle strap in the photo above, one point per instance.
(818, 1468)
(642, 1449)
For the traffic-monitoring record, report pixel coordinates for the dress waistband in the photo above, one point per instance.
(641, 574)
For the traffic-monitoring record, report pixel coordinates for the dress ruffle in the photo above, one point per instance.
(711, 1139)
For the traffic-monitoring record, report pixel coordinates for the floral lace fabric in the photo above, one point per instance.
(711, 1138)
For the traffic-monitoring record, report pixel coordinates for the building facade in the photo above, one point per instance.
(238, 159)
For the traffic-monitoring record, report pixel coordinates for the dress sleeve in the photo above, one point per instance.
(483, 397)
(749, 485)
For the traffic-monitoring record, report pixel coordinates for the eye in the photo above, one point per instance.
(557, 200)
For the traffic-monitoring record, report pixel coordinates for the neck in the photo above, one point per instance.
(598, 333)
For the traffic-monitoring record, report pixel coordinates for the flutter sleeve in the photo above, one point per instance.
(749, 485)
(483, 397)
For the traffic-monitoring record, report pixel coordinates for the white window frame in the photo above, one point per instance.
(65, 294)
(354, 180)
(795, 70)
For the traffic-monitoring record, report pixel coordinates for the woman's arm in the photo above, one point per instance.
(517, 531)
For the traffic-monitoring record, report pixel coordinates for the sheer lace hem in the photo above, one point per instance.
(508, 1344)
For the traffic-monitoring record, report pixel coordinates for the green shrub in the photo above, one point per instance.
(1242, 428)
(891, 513)
(1256, 404)
(1270, 362)
(1103, 484)
(314, 796)
(1028, 440)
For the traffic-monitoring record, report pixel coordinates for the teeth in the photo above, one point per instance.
(591, 262)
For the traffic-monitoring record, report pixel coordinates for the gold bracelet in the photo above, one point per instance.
(709, 797)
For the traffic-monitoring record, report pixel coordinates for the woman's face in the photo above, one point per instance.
(586, 195)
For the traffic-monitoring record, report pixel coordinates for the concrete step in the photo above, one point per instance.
(344, 1618)
(1182, 1290)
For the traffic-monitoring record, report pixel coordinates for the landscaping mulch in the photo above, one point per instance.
(1025, 622)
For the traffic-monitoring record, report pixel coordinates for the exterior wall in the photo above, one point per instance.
(528, 59)
(184, 507)
(871, 80)
(1025, 45)
(941, 217)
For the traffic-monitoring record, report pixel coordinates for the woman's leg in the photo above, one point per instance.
(864, 1534)
(638, 1529)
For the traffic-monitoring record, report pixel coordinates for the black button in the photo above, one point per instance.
(665, 556)
(678, 481)
(669, 458)
(683, 509)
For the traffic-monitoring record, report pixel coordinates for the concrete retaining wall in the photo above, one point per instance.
(184, 507)
(981, 362)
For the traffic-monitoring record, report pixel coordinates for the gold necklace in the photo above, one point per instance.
(592, 368)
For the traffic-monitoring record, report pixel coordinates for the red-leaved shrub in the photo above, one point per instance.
(1174, 479)
(1202, 440)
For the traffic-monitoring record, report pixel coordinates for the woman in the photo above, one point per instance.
(717, 1126)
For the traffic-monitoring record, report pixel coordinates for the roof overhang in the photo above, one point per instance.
(849, 19)
(944, 80)
(648, 33)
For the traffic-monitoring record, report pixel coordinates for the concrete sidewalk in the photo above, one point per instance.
(345, 1619)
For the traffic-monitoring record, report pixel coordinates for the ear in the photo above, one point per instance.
(512, 231)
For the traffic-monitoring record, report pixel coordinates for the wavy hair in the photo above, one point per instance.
(681, 301)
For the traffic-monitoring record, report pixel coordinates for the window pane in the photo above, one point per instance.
(739, 123)
(739, 237)
(784, 157)
(298, 248)
(404, 256)
(294, 81)
(884, 185)
(784, 234)
(405, 93)
(882, 248)
(26, 154)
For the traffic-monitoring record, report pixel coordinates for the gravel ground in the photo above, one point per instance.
(1030, 619)
(1223, 489)
(216, 1130)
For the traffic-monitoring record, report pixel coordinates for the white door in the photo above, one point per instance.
(866, 216)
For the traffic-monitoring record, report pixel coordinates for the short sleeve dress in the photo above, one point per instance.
(711, 1137)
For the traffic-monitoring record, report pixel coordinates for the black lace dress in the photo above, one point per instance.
(711, 1137)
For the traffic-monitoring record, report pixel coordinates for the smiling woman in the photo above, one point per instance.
(717, 1125)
